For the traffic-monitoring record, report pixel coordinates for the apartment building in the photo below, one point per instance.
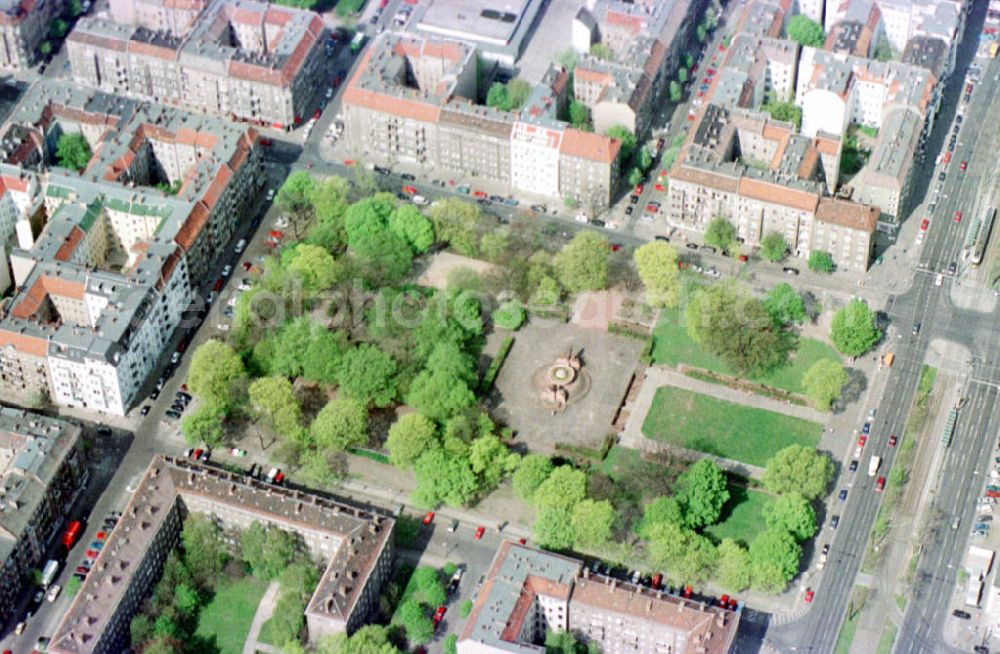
(527, 593)
(242, 59)
(414, 99)
(354, 546)
(24, 24)
(41, 469)
(102, 288)
(759, 174)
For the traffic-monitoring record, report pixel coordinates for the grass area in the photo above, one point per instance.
(722, 428)
(887, 638)
(226, 619)
(858, 598)
(741, 517)
(901, 602)
(673, 346)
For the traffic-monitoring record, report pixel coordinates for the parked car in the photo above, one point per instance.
(834, 521)
(854, 465)
(790, 271)
(842, 495)
(880, 485)
(173, 415)
(428, 518)
(479, 532)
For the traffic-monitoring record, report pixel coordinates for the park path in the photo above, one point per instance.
(264, 611)
(657, 376)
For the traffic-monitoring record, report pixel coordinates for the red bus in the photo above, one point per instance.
(71, 534)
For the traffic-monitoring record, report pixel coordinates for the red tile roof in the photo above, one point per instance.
(853, 215)
(65, 250)
(590, 146)
(24, 343)
(774, 193)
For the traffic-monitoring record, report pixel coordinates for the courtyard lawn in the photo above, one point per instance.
(733, 431)
(741, 517)
(226, 619)
(672, 346)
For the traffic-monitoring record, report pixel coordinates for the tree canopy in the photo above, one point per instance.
(824, 381)
(704, 491)
(340, 425)
(792, 513)
(582, 264)
(821, 262)
(368, 375)
(774, 560)
(720, 234)
(591, 521)
(533, 470)
(456, 223)
(215, 373)
(296, 192)
(798, 469)
(563, 488)
(73, 151)
(773, 247)
(409, 437)
(806, 31)
(853, 329)
(413, 227)
(785, 305)
(684, 555)
(733, 569)
(273, 400)
(627, 138)
(656, 263)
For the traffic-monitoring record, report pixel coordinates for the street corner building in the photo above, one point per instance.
(242, 59)
(42, 471)
(24, 24)
(528, 593)
(106, 262)
(354, 546)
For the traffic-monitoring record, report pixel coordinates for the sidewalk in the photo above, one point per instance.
(656, 376)
(264, 610)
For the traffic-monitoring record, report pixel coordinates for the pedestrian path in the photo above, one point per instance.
(264, 610)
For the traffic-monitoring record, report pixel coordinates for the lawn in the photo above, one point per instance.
(887, 639)
(741, 517)
(673, 346)
(226, 619)
(733, 431)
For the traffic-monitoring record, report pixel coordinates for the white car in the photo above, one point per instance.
(226, 269)
(939, 279)
(175, 357)
(223, 326)
(281, 222)
(270, 194)
(611, 225)
(582, 218)
(421, 200)
(241, 245)
(53, 593)
(210, 298)
(329, 92)
(232, 301)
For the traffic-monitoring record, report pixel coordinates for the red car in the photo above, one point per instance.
(958, 216)
(990, 493)
(522, 541)
(479, 532)
(652, 208)
(687, 592)
(724, 601)
(657, 581)
(710, 72)
(862, 439)
(892, 441)
(638, 189)
(317, 114)
(275, 235)
(615, 247)
(481, 194)
(349, 162)
(246, 265)
(659, 187)
(809, 595)
(218, 284)
(266, 143)
(101, 535)
(880, 485)
(743, 258)
(439, 615)
(197, 453)
(278, 478)
(924, 224)
(409, 189)
(429, 518)
(91, 554)
(963, 165)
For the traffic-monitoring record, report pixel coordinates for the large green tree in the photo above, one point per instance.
(204, 425)
(798, 469)
(444, 476)
(533, 470)
(627, 138)
(720, 234)
(340, 425)
(824, 381)
(806, 31)
(409, 437)
(491, 460)
(684, 555)
(267, 550)
(773, 247)
(384, 256)
(316, 267)
(368, 375)
(413, 227)
(415, 622)
(785, 305)
(563, 488)
(216, 373)
(582, 264)
(456, 222)
(592, 521)
(442, 389)
(205, 551)
(853, 330)
(792, 513)
(665, 508)
(820, 261)
(553, 528)
(728, 322)
(704, 491)
(733, 570)
(369, 639)
(774, 560)
(368, 216)
(272, 399)
(73, 151)
(656, 263)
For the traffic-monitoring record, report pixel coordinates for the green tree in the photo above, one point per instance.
(656, 263)
(592, 521)
(495, 245)
(413, 227)
(582, 264)
(322, 355)
(627, 138)
(442, 389)
(635, 176)
(295, 193)
(824, 381)
(675, 91)
(491, 460)
(726, 321)
(444, 476)
(533, 470)
(664, 508)
(733, 569)
(645, 159)
(700, 33)
(784, 110)
(703, 491)
(340, 425)
(821, 262)
(58, 28)
(267, 550)
(774, 560)
(792, 513)
(497, 97)
(384, 257)
(509, 315)
(518, 92)
(75, 8)
(73, 151)
(415, 622)
(773, 247)
(579, 115)
(215, 374)
(204, 550)
(682, 74)
(720, 234)
(798, 469)
(329, 199)
(553, 528)
(204, 425)
(685, 555)
(602, 51)
(273, 400)
(45, 48)
(853, 329)
(785, 305)
(547, 294)
(456, 223)
(563, 488)
(367, 217)
(140, 629)
(368, 375)
(806, 31)
(369, 639)
(317, 269)
(409, 437)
